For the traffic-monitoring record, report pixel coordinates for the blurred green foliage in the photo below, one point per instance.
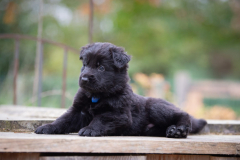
(231, 103)
(162, 36)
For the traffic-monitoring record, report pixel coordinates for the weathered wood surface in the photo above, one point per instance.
(37, 156)
(27, 119)
(21, 125)
(185, 157)
(10, 112)
(207, 144)
(188, 157)
(222, 127)
(224, 158)
(137, 157)
(119, 157)
(19, 156)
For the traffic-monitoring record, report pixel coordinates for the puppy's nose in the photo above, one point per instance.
(85, 79)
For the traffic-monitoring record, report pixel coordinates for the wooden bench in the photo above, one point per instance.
(17, 141)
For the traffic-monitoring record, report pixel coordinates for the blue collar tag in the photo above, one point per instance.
(95, 99)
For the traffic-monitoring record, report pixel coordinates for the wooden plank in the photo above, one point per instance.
(224, 158)
(177, 157)
(94, 158)
(222, 127)
(9, 112)
(19, 156)
(30, 125)
(21, 125)
(27, 119)
(72, 143)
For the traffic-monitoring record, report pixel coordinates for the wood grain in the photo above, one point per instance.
(10, 112)
(27, 119)
(94, 158)
(72, 143)
(19, 156)
(21, 125)
(224, 158)
(177, 157)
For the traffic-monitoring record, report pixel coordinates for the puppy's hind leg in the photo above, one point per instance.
(174, 122)
(181, 126)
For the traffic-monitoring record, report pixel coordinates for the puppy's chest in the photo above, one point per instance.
(95, 109)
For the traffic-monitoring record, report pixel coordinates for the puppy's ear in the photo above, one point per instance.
(120, 57)
(84, 50)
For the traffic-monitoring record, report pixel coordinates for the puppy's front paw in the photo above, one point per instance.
(46, 129)
(88, 131)
(177, 132)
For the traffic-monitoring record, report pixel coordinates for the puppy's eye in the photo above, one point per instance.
(101, 68)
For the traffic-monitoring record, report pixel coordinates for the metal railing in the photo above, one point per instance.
(17, 38)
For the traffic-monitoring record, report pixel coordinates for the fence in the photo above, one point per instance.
(17, 38)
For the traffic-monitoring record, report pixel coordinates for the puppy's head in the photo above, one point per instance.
(104, 68)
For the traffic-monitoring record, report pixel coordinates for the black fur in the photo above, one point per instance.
(119, 112)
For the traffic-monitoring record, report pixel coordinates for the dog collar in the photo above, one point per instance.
(95, 99)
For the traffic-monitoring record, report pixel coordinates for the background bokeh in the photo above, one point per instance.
(184, 51)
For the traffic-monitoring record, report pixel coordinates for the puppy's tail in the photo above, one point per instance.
(197, 124)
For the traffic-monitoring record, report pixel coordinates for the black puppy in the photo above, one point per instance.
(106, 106)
